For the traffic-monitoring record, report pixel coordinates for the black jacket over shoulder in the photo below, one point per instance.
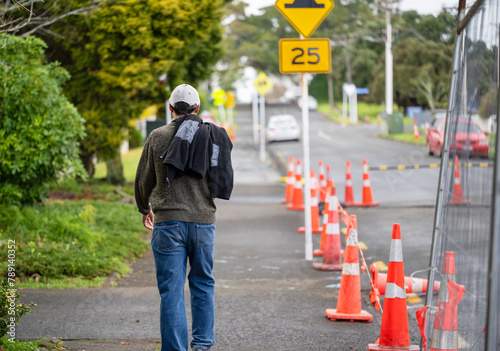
(201, 149)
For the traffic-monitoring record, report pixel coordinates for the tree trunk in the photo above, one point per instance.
(114, 170)
(88, 164)
(331, 100)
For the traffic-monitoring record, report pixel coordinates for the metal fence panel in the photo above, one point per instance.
(457, 317)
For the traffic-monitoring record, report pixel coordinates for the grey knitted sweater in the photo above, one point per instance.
(185, 199)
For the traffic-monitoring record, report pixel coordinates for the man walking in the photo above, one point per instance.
(183, 167)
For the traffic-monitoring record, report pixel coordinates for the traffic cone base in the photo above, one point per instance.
(376, 347)
(314, 230)
(327, 267)
(295, 207)
(370, 204)
(334, 315)
(318, 252)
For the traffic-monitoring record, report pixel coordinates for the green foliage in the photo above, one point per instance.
(117, 54)
(11, 310)
(84, 238)
(16, 345)
(39, 127)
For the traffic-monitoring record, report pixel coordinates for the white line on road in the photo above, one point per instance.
(325, 136)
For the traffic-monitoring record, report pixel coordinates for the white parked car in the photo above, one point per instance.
(282, 127)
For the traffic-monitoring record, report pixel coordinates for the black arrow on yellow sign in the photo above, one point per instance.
(304, 4)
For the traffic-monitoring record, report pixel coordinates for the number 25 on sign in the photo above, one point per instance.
(305, 56)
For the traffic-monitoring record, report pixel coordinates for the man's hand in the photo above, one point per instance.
(147, 220)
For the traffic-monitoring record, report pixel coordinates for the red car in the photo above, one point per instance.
(469, 139)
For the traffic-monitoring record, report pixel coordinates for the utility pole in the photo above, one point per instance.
(388, 63)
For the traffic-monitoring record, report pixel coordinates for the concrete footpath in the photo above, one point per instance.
(268, 297)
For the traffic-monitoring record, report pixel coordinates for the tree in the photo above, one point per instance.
(118, 55)
(26, 17)
(39, 127)
(416, 63)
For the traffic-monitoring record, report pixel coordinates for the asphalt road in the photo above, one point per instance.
(268, 297)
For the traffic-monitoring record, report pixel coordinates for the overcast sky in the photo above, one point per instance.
(422, 6)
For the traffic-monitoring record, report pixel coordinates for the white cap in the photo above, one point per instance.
(185, 93)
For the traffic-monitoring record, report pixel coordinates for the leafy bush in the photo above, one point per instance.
(72, 239)
(6, 310)
(16, 345)
(39, 127)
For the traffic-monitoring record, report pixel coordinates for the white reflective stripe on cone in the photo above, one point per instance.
(332, 228)
(456, 180)
(348, 182)
(366, 182)
(314, 202)
(352, 238)
(290, 180)
(417, 285)
(365, 168)
(396, 251)
(350, 269)
(298, 184)
(393, 291)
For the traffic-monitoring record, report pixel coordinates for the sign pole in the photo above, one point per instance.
(307, 169)
(255, 117)
(262, 128)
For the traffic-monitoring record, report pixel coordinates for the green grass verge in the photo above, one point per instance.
(405, 138)
(8, 344)
(364, 110)
(71, 243)
(130, 160)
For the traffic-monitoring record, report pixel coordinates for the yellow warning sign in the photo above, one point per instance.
(219, 97)
(230, 97)
(305, 56)
(305, 15)
(263, 84)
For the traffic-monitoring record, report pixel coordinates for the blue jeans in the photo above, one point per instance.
(173, 243)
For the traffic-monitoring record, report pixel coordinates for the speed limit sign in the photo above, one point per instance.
(305, 56)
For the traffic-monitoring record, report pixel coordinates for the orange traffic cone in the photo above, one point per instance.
(395, 331)
(415, 131)
(332, 259)
(367, 189)
(329, 180)
(445, 332)
(458, 195)
(413, 285)
(349, 298)
(322, 182)
(298, 196)
(349, 194)
(329, 191)
(290, 180)
(315, 226)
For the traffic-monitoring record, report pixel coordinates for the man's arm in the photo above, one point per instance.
(145, 181)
